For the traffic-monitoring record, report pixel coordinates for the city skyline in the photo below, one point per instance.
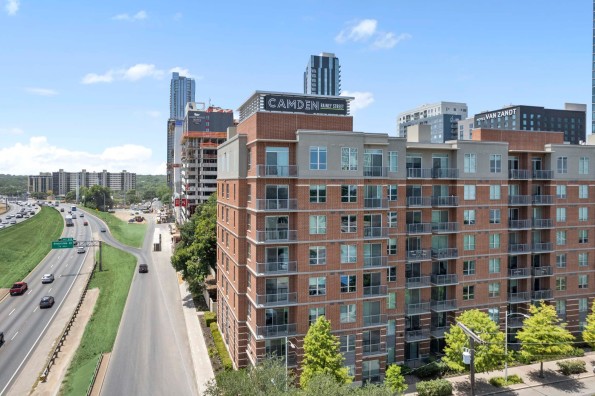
(98, 98)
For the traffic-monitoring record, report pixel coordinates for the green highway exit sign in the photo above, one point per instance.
(63, 244)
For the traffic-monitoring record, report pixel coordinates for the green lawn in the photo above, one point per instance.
(24, 245)
(100, 333)
(128, 234)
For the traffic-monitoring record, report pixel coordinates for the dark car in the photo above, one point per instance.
(143, 268)
(61, 209)
(46, 302)
(103, 229)
(1, 338)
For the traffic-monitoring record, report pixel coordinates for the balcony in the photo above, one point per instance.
(277, 170)
(276, 236)
(445, 280)
(273, 300)
(444, 305)
(515, 322)
(417, 282)
(417, 335)
(375, 320)
(374, 349)
(375, 203)
(418, 202)
(519, 248)
(375, 232)
(280, 267)
(276, 330)
(542, 247)
(375, 171)
(543, 223)
(445, 173)
(545, 270)
(519, 273)
(418, 255)
(519, 199)
(445, 253)
(519, 224)
(545, 294)
(444, 200)
(419, 173)
(543, 199)
(445, 227)
(520, 297)
(376, 290)
(419, 308)
(419, 228)
(438, 332)
(543, 174)
(519, 174)
(276, 204)
(375, 261)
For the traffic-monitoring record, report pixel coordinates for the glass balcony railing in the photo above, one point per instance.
(543, 223)
(417, 308)
(543, 199)
(375, 261)
(419, 228)
(519, 224)
(519, 248)
(416, 202)
(445, 227)
(276, 299)
(517, 273)
(375, 203)
(419, 173)
(276, 204)
(374, 349)
(375, 232)
(279, 267)
(417, 335)
(543, 174)
(277, 170)
(375, 320)
(445, 253)
(445, 200)
(520, 297)
(376, 290)
(445, 173)
(443, 305)
(419, 255)
(276, 235)
(519, 199)
(418, 282)
(544, 270)
(519, 174)
(542, 247)
(375, 171)
(444, 280)
(542, 295)
(281, 330)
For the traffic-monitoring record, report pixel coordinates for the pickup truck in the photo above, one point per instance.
(18, 288)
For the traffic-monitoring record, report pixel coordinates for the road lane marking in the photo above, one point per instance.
(15, 334)
(50, 289)
(52, 266)
(30, 291)
(12, 312)
(35, 309)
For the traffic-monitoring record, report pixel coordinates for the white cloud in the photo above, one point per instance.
(38, 155)
(153, 113)
(92, 78)
(139, 16)
(389, 40)
(12, 6)
(133, 73)
(42, 91)
(361, 101)
(359, 31)
(181, 70)
(11, 131)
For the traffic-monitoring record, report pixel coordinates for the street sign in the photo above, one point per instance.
(66, 239)
(63, 244)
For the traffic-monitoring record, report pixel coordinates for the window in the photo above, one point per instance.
(561, 283)
(560, 237)
(317, 158)
(348, 254)
(469, 242)
(248, 280)
(391, 274)
(494, 216)
(317, 224)
(561, 191)
(348, 313)
(469, 267)
(561, 307)
(317, 286)
(468, 292)
(317, 255)
(561, 215)
(562, 164)
(470, 163)
(349, 223)
(494, 241)
(348, 283)
(393, 157)
(348, 158)
(249, 193)
(392, 219)
(392, 192)
(494, 289)
(583, 236)
(583, 166)
(349, 193)
(494, 266)
(583, 304)
(314, 313)
(583, 281)
(469, 216)
(347, 343)
(469, 192)
(561, 260)
(583, 214)
(494, 314)
(495, 192)
(391, 301)
(248, 221)
(583, 191)
(318, 193)
(583, 259)
(495, 163)
(391, 247)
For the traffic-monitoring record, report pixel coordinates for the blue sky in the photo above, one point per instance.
(86, 84)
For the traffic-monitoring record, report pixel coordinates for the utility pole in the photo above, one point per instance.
(100, 257)
(473, 338)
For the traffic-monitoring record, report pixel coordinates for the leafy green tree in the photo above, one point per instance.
(488, 356)
(70, 196)
(132, 197)
(39, 195)
(97, 197)
(206, 232)
(589, 331)
(322, 354)
(543, 336)
(325, 384)
(394, 380)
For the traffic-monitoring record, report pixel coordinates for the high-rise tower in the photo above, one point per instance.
(323, 75)
(181, 92)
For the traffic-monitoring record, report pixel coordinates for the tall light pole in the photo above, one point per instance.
(287, 344)
(473, 338)
(506, 341)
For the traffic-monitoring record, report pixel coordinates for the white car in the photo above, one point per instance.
(47, 278)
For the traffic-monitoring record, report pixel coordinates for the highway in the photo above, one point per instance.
(21, 320)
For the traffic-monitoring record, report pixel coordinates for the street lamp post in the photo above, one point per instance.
(287, 344)
(473, 338)
(506, 341)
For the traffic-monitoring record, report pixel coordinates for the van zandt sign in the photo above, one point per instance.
(497, 114)
(306, 105)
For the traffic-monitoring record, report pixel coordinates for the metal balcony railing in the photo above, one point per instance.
(443, 305)
(270, 300)
(276, 330)
(280, 267)
(375, 171)
(519, 174)
(417, 282)
(544, 270)
(445, 201)
(276, 235)
(519, 224)
(543, 247)
(446, 279)
(445, 173)
(375, 261)
(277, 170)
(375, 320)
(276, 204)
(419, 173)
(415, 202)
(374, 349)
(438, 332)
(543, 199)
(519, 248)
(519, 199)
(545, 294)
(375, 203)
(419, 255)
(445, 227)
(543, 223)
(543, 174)
(417, 308)
(417, 335)
(520, 297)
(516, 273)
(375, 232)
(445, 253)
(515, 322)
(376, 290)
(419, 228)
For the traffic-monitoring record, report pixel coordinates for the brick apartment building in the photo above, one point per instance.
(390, 238)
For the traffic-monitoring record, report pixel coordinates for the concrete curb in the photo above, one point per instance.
(98, 385)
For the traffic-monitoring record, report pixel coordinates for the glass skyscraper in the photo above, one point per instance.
(323, 75)
(181, 92)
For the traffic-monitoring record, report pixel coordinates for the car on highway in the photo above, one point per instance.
(80, 249)
(61, 209)
(18, 288)
(4, 221)
(103, 229)
(13, 221)
(47, 278)
(143, 268)
(131, 220)
(1, 338)
(46, 302)
(85, 223)
(82, 215)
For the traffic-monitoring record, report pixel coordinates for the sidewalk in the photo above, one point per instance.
(530, 374)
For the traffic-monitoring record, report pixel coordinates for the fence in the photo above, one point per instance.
(90, 388)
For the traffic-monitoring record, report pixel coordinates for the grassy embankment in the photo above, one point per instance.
(24, 245)
(100, 334)
(131, 234)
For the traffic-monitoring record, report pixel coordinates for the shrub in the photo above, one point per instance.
(405, 370)
(512, 379)
(223, 355)
(574, 366)
(210, 317)
(578, 352)
(430, 370)
(439, 387)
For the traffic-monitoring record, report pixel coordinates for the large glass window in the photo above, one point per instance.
(348, 254)
(317, 158)
(561, 191)
(583, 236)
(470, 163)
(583, 281)
(469, 267)
(347, 343)
(583, 214)
(276, 227)
(494, 241)
(318, 193)
(348, 283)
(317, 255)
(349, 223)
(393, 162)
(373, 165)
(494, 216)
(495, 191)
(317, 224)
(583, 259)
(494, 266)
(495, 163)
(562, 164)
(277, 161)
(469, 242)
(494, 289)
(349, 193)
(317, 286)
(392, 192)
(561, 260)
(348, 313)
(560, 215)
(348, 158)
(468, 292)
(583, 166)
(560, 238)
(560, 283)
(469, 192)
(314, 313)
(469, 216)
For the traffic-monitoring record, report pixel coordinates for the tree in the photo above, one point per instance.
(131, 197)
(543, 336)
(322, 354)
(97, 197)
(394, 380)
(589, 331)
(206, 232)
(488, 356)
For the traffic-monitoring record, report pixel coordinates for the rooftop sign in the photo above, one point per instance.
(307, 105)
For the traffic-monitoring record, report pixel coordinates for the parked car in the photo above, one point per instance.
(47, 278)
(143, 268)
(46, 302)
(18, 288)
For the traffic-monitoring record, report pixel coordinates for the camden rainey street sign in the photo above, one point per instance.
(304, 104)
